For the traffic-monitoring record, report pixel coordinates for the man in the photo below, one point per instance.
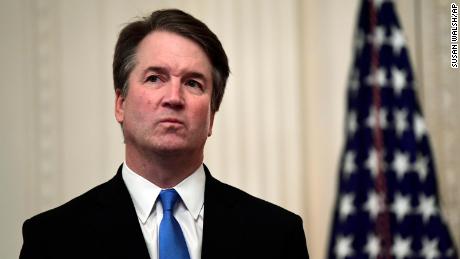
(170, 73)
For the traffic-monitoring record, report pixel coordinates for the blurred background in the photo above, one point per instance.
(278, 135)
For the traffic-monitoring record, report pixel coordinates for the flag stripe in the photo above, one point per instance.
(382, 227)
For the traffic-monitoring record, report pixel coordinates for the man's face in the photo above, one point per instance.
(167, 107)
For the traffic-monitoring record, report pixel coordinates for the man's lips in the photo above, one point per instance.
(171, 120)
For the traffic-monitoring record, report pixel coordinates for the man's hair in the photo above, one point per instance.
(181, 23)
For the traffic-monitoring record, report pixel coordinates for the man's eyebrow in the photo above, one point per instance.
(160, 70)
(164, 70)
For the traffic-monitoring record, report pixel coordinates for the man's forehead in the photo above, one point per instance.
(172, 52)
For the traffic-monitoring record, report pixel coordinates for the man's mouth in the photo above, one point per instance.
(171, 121)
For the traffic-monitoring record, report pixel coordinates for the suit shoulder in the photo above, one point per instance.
(259, 223)
(256, 206)
(72, 208)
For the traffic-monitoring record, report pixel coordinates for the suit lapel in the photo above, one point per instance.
(120, 230)
(221, 223)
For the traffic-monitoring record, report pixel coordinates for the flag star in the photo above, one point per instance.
(377, 78)
(401, 164)
(421, 167)
(374, 161)
(374, 204)
(349, 166)
(381, 114)
(427, 207)
(354, 81)
(450, 252)
(359, 41)
(346, 206)
(419, 126)
(352, 123)
(401, 121)
(397, 40)
(381, 77)
(377, 38)
(343, 247)
(430, 248)
(401, 206)
(372, 247)
(378, 3)
(401, 247)
(398, 79)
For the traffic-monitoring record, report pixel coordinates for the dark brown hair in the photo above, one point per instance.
(181, 23)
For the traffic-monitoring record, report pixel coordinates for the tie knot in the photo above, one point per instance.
(168, 199)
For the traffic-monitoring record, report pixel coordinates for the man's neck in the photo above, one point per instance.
(164, 170)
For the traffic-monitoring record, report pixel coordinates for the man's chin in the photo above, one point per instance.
(170, 148)
(169, 151)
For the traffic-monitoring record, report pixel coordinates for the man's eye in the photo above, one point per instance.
(152, 79)
(193, 84)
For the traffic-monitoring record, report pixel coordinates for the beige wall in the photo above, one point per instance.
(278, 134)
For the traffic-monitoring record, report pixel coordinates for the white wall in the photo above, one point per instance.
(278, 134)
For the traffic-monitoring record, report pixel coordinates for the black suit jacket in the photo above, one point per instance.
(102, 223)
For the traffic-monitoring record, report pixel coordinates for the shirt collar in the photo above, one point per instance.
(191, 191)
(144, 193)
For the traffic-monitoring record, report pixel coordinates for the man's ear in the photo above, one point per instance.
(119, 106)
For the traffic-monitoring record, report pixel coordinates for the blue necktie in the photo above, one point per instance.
(172, 241)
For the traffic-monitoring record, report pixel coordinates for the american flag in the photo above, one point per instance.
(387, 204)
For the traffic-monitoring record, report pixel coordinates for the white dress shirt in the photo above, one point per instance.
(188, 211)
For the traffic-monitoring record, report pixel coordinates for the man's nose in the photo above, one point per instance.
(174, 96)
